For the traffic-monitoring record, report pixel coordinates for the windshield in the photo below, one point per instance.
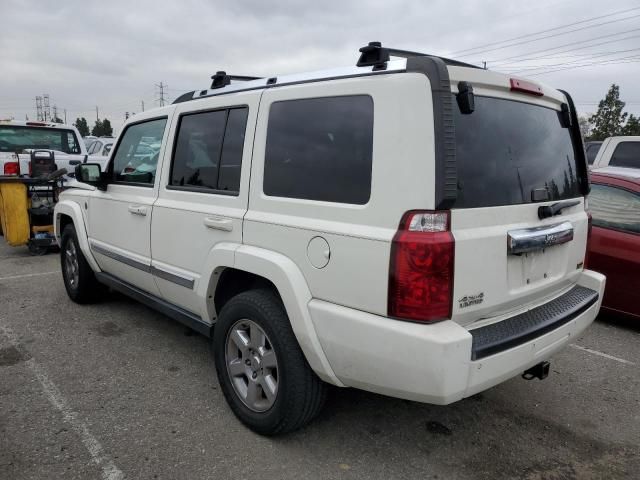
(14, 138)
(510, 153)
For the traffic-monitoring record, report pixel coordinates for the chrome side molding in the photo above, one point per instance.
(532, 239)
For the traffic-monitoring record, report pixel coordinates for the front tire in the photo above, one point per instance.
(262, 371)
(79, 279)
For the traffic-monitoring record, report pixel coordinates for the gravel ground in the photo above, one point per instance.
(116, 390)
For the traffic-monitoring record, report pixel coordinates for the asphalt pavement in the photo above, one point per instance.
(116, 390)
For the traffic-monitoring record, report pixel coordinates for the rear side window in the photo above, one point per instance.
(320, 149)
(510, 153)
(615, 208)
(626, 154)
(208, 151)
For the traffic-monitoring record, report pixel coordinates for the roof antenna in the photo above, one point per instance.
(373, 55)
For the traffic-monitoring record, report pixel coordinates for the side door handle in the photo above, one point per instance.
(74, 162)
(138, 210)
(217, 223)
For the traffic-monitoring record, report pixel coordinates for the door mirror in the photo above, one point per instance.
(92, 174)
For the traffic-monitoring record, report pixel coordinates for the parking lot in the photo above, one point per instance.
(116, 390)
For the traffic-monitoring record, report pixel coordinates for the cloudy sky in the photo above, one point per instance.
(113, 54)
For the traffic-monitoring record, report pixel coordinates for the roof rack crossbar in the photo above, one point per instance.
(377, 56)
(221, 79)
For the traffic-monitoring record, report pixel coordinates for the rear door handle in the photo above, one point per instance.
(138, 210)
(217, 223)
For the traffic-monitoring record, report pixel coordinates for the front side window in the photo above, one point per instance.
(320, 149)
(615, 208)
(136, 157)
(510, 152)
(626, 154)
(16, 138)
(208, 150)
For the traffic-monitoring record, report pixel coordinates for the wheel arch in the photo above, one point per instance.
(236, 268)
(68, 212)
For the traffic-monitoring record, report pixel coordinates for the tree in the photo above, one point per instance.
(57, 120)
(585, 126)
(608, 121)
(102, 128)
(82, 126)
(107, 130)
(632, 127)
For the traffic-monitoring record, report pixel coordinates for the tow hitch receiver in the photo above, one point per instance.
(540, 371)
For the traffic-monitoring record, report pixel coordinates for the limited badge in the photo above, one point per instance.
(469, 300)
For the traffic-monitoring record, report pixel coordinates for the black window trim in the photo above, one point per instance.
(625, 189)
(194, 189)
(116, 146)
(311, 200)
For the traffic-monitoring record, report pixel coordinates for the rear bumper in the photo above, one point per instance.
(433, 363)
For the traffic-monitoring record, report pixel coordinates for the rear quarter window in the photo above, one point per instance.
(320, 149)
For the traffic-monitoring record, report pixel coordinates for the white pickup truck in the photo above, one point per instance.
(620, 152)
(18, 139)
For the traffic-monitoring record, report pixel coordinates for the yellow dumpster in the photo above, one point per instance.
(14, 213)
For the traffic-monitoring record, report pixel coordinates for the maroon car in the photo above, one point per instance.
(614, 247)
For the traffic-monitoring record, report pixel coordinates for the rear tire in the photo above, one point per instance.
(262, 371)
(79, 279)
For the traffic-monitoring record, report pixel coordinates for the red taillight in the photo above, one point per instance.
(421, 269)
(12, 168)
(523, 86)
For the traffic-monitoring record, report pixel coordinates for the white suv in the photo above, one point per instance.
(412, 227)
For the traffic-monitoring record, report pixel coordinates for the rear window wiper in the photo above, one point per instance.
(555, 209)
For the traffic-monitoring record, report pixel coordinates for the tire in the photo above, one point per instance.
(79, 279)
(299, 393)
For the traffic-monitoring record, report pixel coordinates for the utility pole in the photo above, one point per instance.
(142, 103)
(39, 114)
(97, 118)
(65, 116)
(484, 65)
(47, 108)
(55, 113)
(126, 115)
(161, 88)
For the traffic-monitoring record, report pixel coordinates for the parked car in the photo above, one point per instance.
(395, 226)
(618, 152)
(99, 151)
(614, 247)
(592, 149)
(18, 139)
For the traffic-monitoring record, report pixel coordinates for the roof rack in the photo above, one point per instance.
(377, 56)
(221, 79)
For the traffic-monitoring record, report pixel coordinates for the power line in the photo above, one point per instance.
(591, 57)
(549, 36)
(629, 59)
(545, 31)
(579, 42)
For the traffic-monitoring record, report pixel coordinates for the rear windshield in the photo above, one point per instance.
(511, 153)
(15, 138)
